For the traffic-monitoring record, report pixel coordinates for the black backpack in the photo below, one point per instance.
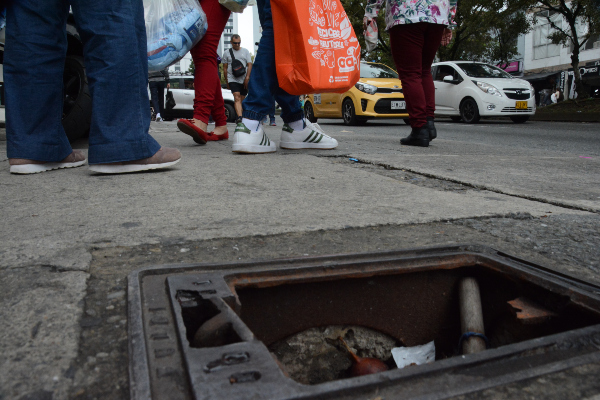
(237, 67)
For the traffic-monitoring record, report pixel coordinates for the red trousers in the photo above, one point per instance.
(413, 48)
(207, 83)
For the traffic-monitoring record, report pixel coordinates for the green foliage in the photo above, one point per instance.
(486, 30)
(192, 68)
(382, 53)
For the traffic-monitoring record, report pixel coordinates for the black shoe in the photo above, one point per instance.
(431, 127)
(417, 137)
(238, 120)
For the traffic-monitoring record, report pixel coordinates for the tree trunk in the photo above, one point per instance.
(579, 87)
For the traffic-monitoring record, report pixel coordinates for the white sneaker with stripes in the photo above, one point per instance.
(311, 137)
(253, 142)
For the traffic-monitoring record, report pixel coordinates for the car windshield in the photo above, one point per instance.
(376, 71)
(484, 71)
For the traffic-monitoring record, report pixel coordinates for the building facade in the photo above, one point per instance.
(547, 66)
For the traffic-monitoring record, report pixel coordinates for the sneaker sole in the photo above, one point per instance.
(297, 145)
(252, 148)
(191, 132)
(37, 168)
(123, 169)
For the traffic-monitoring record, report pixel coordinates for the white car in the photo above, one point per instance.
(467, 91)
(182, 87)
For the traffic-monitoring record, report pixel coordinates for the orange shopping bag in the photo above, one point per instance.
(316, 49)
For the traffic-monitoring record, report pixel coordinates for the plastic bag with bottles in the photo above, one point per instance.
(173, 27)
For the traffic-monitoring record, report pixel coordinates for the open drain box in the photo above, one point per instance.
(410, 295)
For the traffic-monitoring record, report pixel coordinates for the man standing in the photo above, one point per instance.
(238, 64)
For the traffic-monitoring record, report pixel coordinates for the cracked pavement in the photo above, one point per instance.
(70, 238)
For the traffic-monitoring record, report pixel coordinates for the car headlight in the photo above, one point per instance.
(365, 87)
(487, 88)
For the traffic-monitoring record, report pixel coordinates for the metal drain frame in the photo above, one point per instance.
(163, 365)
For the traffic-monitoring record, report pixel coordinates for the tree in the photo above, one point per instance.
(582, 19)
(486, 31)
(382, 53)
(192, 68)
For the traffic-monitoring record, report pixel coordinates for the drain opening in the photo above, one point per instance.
(206, 325)
(260, 310)
(299, 322)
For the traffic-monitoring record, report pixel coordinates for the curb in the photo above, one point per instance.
(566, 117)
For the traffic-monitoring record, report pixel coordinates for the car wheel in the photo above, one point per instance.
(456, 118)
(406, 121)
(348, 112)
(77, 102)
(309, 113)
(469, 111)
(520, 119)
(230, 113)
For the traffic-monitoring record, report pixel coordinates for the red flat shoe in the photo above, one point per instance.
(188, 127)
(223, 136)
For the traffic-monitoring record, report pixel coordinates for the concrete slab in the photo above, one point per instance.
(213, 193)
(554, 177)
(40, 311)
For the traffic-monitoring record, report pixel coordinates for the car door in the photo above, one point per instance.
(447, 94)
(329, 104)
(181, 95)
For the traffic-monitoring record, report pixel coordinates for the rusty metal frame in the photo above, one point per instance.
(163, 365)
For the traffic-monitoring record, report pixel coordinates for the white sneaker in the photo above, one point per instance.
(311, 137)
(247, 141)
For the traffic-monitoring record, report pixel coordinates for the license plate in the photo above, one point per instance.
(399, 105)
(521, 105)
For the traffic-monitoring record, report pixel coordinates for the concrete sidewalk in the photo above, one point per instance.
(70, 237)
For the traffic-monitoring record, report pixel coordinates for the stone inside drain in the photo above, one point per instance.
(316, 355)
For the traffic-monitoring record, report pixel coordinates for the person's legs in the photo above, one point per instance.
(431, 44)
(34, 59)
(161, 96)
(154, 97)
(204, 54)
(237, 98)
(114, 37)
(407, 43)
(263, 86)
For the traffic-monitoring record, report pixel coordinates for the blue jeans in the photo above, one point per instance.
(113, 33)
(263, 87)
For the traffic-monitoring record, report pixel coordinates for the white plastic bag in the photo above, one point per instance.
(236, 6)
(173, 27)
(371, 35)
(405, 356)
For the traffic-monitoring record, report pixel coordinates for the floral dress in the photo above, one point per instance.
(412, 11)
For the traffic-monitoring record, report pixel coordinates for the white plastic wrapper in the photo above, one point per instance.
(405, 356)
(236, 6)
(173, 27)
(371, 35)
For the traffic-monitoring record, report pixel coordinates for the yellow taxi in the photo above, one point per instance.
(378, 94)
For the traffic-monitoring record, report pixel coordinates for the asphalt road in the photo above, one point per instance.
(70, 238)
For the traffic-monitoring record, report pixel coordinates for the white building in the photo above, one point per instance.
(548, 66)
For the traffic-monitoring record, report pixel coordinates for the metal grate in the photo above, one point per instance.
(255, 303)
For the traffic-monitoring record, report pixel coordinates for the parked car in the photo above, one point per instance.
(77, 102)
(467, 91)
(182, 87)
(378, 94)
